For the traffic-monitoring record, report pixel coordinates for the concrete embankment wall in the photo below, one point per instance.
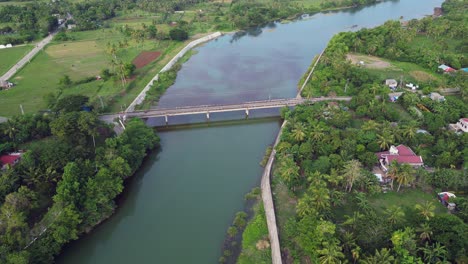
(141, 97)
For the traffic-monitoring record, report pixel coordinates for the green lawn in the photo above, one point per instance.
(11, 56)
(405, 199)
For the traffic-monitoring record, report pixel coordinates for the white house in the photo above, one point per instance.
(437, 97)
(460, 126)
(392, 83)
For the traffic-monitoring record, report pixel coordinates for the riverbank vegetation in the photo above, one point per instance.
(66, 181)
(330, 205)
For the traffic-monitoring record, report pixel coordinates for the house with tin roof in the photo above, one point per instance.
(401, 154)
(10, 159)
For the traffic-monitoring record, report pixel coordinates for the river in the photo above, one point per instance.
(179, 205)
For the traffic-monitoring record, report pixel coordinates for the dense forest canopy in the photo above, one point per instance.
(66, 181)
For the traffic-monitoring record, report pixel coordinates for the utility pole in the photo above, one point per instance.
(22, 110)
(346, 86)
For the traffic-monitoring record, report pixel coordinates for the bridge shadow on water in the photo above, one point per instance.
(215, 119)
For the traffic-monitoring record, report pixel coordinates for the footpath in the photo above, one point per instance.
(267, 196)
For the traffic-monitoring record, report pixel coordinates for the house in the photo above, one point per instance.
(392, 83)
(71, 26)
(401, 154)
(6, 84)
(9, 46)
(461, 125)
(446, 68)
(394, 96)
(10, 159)
(412, 86)
(437, 97)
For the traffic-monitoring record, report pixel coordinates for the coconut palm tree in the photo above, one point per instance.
(426, 209)
(330, 253)
(385, 140)
(425, 232)
(410, 129)
(406, 175)
(317, 133)
(351, 221)
(351, 172)
(298, 132)
(394, 214)
(383, 256)
(321, 199)
(435, 253)
(370, 125)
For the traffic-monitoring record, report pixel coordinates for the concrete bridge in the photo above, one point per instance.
(207, 109)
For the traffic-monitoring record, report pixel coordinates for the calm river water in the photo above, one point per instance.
(179, 205)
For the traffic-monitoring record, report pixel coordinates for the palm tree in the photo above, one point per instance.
(409, 130)
(370, 125)
(425, 232)
(352, 220)
(394, 214)
(383, 256)
(351, 172)
(317, 132)
(330, 253)
(393, 172)
(288, 171)
(426, 209)
(321, 199)
(298, 132)
(11, 129)
(435, 253)
(406, 175)
(385, 140)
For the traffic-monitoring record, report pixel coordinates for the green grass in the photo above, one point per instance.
(405, 199)
(255, 231)
(11, 56)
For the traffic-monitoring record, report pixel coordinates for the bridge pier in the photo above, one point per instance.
(167, 119)
(246, 113)
(208, 115)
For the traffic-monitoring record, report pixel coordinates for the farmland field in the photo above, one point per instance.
(12, 55)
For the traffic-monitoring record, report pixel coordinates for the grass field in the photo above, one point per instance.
(83, 57)
(11, 56)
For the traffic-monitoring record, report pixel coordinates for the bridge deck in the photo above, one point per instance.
(190, 110)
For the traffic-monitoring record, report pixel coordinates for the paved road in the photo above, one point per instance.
(201, 109)
(40, 45)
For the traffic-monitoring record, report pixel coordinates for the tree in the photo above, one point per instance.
(426, 209)
(384, 256)
(298, 132)
(406, 175)
(178, 34)
(288, 171)
(330, 253)
(435, 253)
(385, 140)
(70, 103)
(425, 232)
(394, 214)
(351, 172)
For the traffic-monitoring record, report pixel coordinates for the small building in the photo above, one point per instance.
(437, 97)
(2, 46)
(6, 84)
(461, 125)
(9, 46)
(393, 97)
(401, 154)
(412, 86)
(71, 26)
(464, 69)
(10, 159)
(392, 83)
(446, 68)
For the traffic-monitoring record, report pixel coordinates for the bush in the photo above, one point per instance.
(178, 34)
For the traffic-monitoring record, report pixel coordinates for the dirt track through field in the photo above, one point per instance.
(145, 58)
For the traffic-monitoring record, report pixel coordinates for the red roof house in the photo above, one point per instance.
(401, 154)
(9, 159)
